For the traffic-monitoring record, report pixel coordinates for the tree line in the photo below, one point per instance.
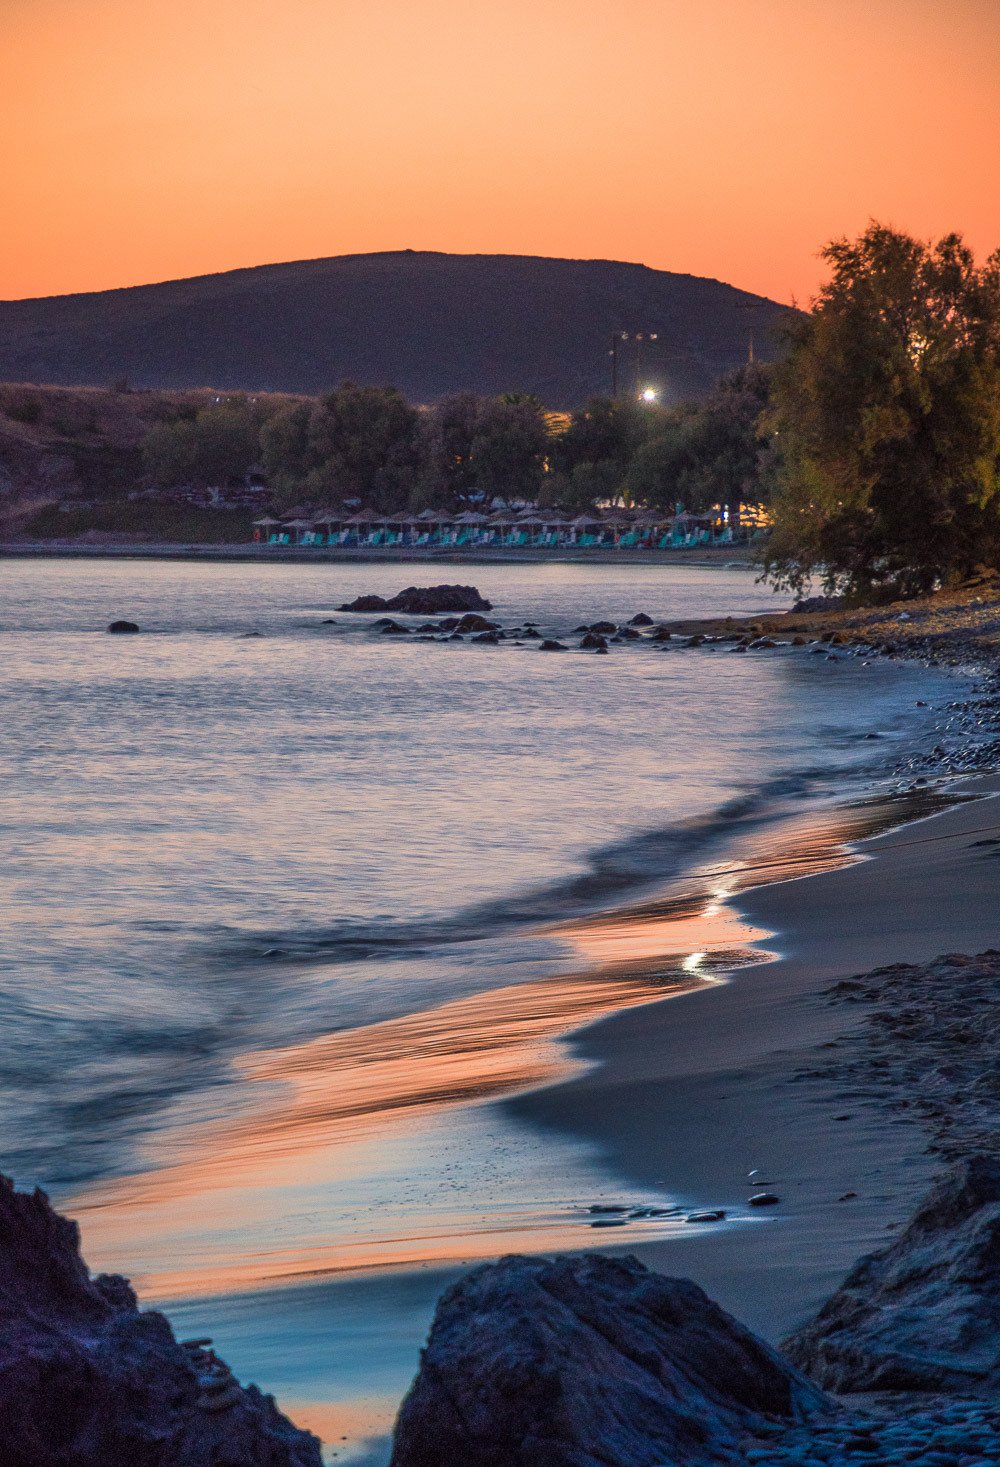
(368, 444)
(874, 441)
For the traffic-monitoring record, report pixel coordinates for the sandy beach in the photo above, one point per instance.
(704, 1089)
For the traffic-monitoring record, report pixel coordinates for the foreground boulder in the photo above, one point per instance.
(923, 1314)
(88, 1379)
(423, 601)
(589, 1361)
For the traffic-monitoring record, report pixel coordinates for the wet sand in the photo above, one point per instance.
(273, 1192)
(705, 1090)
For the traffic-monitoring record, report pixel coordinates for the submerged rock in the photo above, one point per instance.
(589, 1361)
(123, 626)
(423, 601)
(923, 1314)
(88, 1379)
(473, 623)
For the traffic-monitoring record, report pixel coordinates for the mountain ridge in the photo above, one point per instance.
(428, 322)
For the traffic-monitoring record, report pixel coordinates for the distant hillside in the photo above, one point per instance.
(429, 324)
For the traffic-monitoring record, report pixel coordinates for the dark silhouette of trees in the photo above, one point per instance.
(215, 447)
(711, 453)
(446, 434)
(887, 411)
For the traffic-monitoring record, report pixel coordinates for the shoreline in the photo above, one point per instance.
(716, 1078)
(654, 1119)
(732, 556)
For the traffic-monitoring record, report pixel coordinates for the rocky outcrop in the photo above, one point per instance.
(923, 1314)
(120, 627)
(88, 1379)
(809, 604)
(423, 601)
(588, 1361)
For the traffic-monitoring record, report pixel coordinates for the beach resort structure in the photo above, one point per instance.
(536, 528)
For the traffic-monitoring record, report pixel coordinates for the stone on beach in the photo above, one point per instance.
(586, 1361)
(924, 1313)
(88, 1379)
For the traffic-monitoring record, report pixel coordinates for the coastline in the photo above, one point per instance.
(634, 1129)
(732, 556)
(715, 1082)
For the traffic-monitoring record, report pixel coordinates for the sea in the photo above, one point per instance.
(290, 906)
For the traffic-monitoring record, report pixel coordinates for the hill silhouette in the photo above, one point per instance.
(427, 323)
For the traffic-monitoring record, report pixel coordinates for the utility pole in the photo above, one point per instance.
(616, 336)
(750, 307)
(638, 337)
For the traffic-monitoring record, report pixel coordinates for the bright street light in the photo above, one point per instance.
(649, 394)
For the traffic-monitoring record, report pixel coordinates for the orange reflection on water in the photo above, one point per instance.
(338, 1421)
(319, 1105)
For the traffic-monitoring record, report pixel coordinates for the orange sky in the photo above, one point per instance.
(145, 141)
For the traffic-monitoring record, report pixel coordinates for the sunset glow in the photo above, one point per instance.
(151, 142)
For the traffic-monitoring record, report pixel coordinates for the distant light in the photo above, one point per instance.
(649, 394)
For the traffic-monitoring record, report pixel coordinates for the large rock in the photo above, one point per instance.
(87, 1379)
(923, 1314)
(589, 1361)
(423, 601)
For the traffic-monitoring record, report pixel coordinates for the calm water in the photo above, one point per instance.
(247, 854)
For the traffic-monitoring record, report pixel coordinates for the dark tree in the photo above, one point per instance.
(711, 453)
(509, 448)
(604, 432)
(362, 442)
(888, 415)
(216, 447)
(446, 434)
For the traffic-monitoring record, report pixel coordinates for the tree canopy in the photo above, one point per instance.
(887, 415)
(216, 446)
(368, 444)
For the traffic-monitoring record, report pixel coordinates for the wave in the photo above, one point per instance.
(613, 872)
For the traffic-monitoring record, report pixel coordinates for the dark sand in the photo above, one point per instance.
(697, 1091)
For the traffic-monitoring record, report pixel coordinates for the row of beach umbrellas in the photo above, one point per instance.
(473, 519)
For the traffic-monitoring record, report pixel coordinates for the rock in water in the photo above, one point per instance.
(123, 626)
(423, 601)
(923, 1314)
(588, 1361)
(88, 1379)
